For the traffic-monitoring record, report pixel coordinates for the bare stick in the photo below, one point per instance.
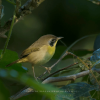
(59, 70)
(22, 11)
(53, 65)
(21, 93)
(54, 79)
(65, 78)
(85, 65)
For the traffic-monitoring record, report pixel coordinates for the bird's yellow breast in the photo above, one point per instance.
(51, 50)
(42, 56)
(48, 55)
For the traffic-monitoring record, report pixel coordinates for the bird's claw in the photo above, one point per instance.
(48, 69)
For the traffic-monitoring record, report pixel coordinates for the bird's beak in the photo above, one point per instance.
(59, 38)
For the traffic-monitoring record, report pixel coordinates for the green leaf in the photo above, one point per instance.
(4, 93)
(95, 79)
(33, 96)
(43, 89)
(9, 57)
(75, 91)
(95, 94)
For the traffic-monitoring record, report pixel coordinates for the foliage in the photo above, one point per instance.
(75, 91)
(4, 93)
(9, 57)
(84, 88)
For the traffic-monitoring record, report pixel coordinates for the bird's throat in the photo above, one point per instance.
(51, 50)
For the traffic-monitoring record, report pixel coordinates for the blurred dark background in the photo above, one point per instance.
(71, 19)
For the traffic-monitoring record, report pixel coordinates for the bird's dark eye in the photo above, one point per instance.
(52, 42)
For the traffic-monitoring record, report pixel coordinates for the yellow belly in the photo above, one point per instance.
(42, 56)
(48, 55)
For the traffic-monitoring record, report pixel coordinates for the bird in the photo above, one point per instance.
(40, 52)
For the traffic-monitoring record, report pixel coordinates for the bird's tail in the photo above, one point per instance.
(17, 61)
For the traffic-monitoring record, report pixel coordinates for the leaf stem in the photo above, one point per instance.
(84, 64)
(9, 35)
(12, 2)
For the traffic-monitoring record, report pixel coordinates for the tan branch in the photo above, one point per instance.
(53, 79)
(65, 78)
(22, 11)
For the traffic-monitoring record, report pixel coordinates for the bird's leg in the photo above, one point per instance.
(34, 73)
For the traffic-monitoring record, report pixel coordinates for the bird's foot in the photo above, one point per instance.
(48, 69)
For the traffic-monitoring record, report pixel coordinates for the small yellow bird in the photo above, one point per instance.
(40, 52)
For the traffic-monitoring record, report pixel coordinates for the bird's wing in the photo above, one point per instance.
(26, 52)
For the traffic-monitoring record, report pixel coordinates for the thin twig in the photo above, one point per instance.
(69, 77)
(53, 65)
(77, 42)
(23, 10)
(65, 78)
(18, 4)
(95, 2)
(21, 93)
(54, 79)
(59, 60)
(9, 34)
(64, 53)
(85, 65)
(59, 70)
